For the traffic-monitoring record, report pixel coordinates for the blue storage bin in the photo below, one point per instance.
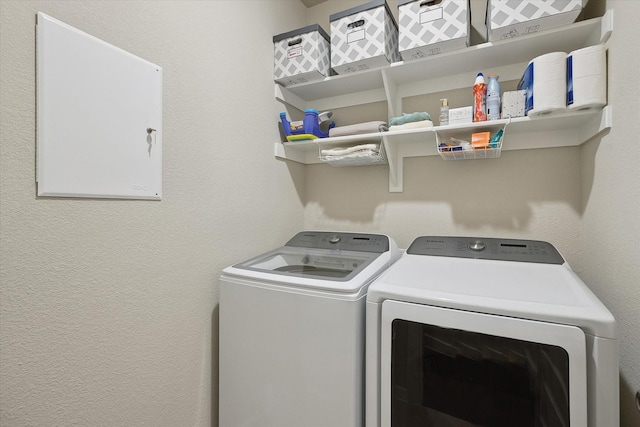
(309, 128)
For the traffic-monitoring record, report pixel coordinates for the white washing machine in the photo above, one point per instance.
(292, 325)
(488, 332)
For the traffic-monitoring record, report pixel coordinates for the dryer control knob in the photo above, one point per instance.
(477, 245)
(334, 239)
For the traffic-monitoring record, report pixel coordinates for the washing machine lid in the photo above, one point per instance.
(506, 277)
(341, 262)
(310, 263)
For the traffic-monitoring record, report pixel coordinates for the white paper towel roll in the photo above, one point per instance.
(587, 78)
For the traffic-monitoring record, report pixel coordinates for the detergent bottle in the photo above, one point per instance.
(479, 99)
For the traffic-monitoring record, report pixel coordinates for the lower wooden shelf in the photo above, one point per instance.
(554, 130)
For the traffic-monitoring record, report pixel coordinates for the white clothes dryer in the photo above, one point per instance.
(292, 325)
(488, 332)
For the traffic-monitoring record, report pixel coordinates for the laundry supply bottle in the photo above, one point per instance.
(479, 99)
(493, 97)
(444, 112)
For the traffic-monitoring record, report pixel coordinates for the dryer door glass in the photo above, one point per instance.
(450, 377)
(449, 367)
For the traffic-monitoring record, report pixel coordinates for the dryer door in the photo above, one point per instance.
(444, 367)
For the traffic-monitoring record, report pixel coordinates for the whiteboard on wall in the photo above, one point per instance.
(99, 117)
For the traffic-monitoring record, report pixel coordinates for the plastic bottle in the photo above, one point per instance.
(493, 97)
(479, 99)
(444, 112)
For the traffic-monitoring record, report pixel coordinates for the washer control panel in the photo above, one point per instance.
(359, 242)
(487, 248)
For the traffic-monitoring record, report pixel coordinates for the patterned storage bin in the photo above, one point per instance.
(512, 18)
(432, 27)
(301, 55)
(363, 37)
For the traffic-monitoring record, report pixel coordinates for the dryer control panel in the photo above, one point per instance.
(360, 242)
(487, 248)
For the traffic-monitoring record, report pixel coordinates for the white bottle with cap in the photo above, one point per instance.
(493, 98)
(444, 112)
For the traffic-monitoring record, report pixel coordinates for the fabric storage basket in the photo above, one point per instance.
(301, 55)
(512, 18)
(363, 37)
(430, 27)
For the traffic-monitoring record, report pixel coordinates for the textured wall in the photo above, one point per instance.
(108, 310)
(611, 203)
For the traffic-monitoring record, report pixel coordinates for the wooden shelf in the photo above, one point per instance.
(523, 133)
(447, 71)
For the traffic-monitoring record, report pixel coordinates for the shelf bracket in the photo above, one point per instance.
(600, 124)
(606, 26)
(287, 97)
(394, 103)
(395, 166)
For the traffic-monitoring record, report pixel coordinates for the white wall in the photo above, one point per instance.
(611, 202)
(108, 308)
(581, 199)
(108, 311)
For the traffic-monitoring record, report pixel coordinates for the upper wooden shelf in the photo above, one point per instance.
(450, 70)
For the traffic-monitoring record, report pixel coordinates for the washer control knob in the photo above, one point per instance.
(334, 239)
(477, 245)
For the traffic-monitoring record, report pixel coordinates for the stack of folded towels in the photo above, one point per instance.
(411, 121)
(356, 151)
(358, 129)
(363, 150)
(406, 121)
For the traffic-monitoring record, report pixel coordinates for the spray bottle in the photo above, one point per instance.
(493, 98)
(479, 99)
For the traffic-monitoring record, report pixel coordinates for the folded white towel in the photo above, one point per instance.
(358, 129)
(349, 150)
(413, 125)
